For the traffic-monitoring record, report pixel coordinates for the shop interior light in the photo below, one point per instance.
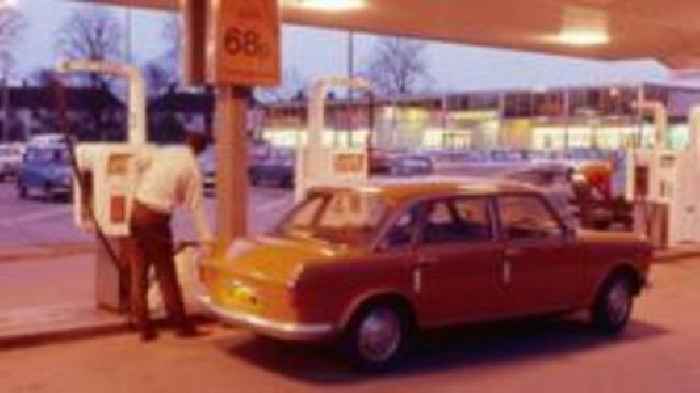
(584, 26)
(584, 37)
(332, 5)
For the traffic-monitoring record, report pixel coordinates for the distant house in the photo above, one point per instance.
(91, 113)
(170, 114)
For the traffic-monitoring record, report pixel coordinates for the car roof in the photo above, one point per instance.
(47, 141)
(404, 189)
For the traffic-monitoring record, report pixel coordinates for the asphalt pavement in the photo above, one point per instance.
(32, 223)
(657, 353)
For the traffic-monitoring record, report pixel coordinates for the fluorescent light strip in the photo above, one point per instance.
(332, 5)
(583, 37)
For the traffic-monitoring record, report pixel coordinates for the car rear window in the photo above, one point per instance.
(341, 216)
(526, 217)
(458, 220)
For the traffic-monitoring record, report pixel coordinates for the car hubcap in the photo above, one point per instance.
(379, 335)
(619, 302)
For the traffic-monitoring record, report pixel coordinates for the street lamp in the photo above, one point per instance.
(5, 88)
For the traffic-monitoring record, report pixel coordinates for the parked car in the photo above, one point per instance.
(45, 169)
(367, 266)
(207, 165)
(10, 159)
(258, 151)
(278, 169)
(394, 163)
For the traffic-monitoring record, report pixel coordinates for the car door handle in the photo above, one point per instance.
(425, 261)
(513, 252)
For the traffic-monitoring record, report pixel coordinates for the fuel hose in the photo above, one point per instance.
(63, 127)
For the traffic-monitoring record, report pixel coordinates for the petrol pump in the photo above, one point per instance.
(102, 194)
(319, 164)
(664, 185)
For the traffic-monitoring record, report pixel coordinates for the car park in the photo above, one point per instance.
(399, 163)
(10, 159)
(207, 165)
(276, 169)
(45, 169)
(410, 164)
(367, 266)
(258, 151)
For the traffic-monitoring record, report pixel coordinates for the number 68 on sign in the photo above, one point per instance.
(243, 42)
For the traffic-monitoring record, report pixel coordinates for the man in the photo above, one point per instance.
(169, 177)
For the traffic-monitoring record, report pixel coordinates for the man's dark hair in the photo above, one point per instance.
(197, 141)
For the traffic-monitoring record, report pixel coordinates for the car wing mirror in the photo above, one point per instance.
(569, 233)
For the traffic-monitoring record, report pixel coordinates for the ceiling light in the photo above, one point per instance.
(582, 26)
(8, 3)
(331, 5)
(583, 37)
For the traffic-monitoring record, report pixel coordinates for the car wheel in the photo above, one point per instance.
(377, 337)
(254, 180)
(613, 305)
(22, 191)
(49, 195)
(601, 225)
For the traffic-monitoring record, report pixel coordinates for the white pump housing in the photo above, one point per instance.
(317, 164)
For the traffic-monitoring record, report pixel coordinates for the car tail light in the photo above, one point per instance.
(207, 275)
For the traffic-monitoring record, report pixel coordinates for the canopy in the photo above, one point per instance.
(601, 29)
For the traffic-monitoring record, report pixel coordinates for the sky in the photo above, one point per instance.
(316, 53)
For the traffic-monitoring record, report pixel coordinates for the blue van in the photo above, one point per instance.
(45, 169)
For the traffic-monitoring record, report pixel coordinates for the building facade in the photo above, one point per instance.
(90, 113)
(602, 117)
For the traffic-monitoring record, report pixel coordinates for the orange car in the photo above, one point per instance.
(369, 265)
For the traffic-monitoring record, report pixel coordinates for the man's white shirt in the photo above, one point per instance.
(169, 177)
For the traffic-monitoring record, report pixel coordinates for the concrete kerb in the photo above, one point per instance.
(44, 251)
(119, 325)
(670, 256)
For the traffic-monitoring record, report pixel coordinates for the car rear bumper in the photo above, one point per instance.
(288, 331)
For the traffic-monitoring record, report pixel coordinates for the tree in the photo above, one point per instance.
(171, 34)
(397, 65)
(292, 85)
(42, 77)
(93, 33)
(157, 77)
(163, 70)
(12, 24)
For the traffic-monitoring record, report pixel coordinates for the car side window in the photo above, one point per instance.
(459, 220)
(527, 218)
(404, 229)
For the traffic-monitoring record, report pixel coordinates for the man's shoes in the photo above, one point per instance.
(189, 330)
(148, 335)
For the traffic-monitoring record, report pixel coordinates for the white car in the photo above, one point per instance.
(207, 163)
(10, 160)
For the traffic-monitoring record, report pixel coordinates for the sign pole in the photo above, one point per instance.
(232, 45)
(231, 161)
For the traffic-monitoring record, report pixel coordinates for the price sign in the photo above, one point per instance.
(243, 42)
(349, 163)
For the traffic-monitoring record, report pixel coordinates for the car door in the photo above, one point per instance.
(457, 260)
(30, 168)
(541, 269)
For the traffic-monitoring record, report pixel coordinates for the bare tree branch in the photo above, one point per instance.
(94, 34)
(171, 34)
(397, 65)
(157, 77)
(12, 24)
(292, 85)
